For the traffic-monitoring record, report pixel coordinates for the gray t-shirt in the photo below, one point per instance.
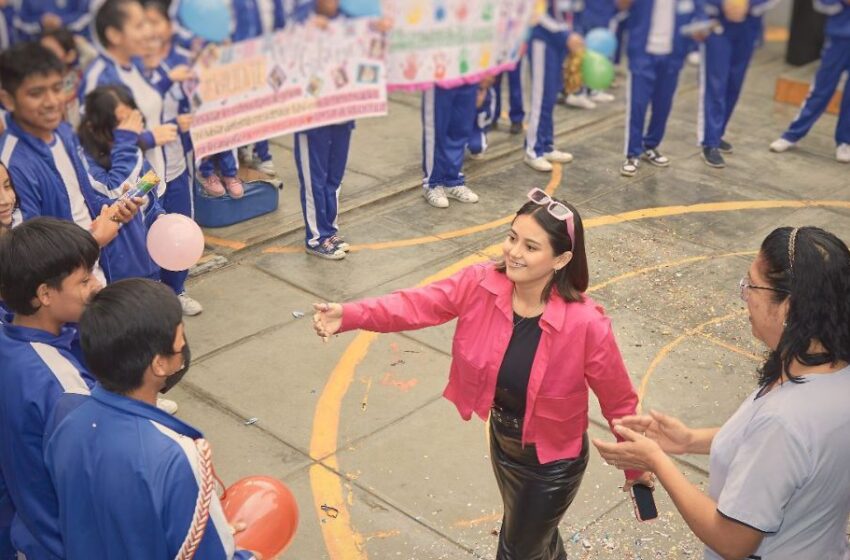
(781, 464)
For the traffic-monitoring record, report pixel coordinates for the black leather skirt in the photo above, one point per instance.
(535, 496)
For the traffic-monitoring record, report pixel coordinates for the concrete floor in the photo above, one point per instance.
(358, 424)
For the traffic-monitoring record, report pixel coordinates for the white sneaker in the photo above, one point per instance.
(781, 145)
(557, 156)
(461, 193)
(601, 96)
(537, 163)
(190, 306)
(693, 58)
(266, 167)
(436, 197)
(579, 101)
(842, 152)
(245, 154)
(166, 405)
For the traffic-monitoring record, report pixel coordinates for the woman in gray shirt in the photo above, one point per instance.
(779, 482)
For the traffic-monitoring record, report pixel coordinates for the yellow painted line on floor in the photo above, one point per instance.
(631, 216)
(732, 347)
(222, 242)
(776, 34)
(670, 346)
(343, 542)
(554, 181)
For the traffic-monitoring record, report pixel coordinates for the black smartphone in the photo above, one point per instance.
(644, 503)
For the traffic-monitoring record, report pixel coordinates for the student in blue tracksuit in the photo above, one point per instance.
(550, 41)
(725, 58)
(601, 14)
(252, 18)
(43, 157)
(657, 51)
(109, 135)
(32, 17)
(835, 61)
(122, 28)
(8, 33)
(485, 117)
(516, 112)
(46, 279)
(128, 477)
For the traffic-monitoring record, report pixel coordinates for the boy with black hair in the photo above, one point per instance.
(124, 30)
(117, 443)
(42, 155)
(46, 278)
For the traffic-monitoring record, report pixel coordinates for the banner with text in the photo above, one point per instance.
(296, 79)
(452, 42)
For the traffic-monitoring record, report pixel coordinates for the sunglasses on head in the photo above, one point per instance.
(556, 210)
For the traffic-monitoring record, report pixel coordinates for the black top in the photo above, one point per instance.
(512, 384)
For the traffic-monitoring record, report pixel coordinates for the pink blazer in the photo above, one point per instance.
(577, 350)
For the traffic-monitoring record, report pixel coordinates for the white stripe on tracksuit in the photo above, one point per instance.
(66, 374)
(310, 201)
(538, 77)
(428, 109)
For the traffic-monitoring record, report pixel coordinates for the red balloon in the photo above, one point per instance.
(267, 508)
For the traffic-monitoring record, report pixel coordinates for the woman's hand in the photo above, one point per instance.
(104, 228)
(184, 121)
(671, 434)
(164, 134)
(647, 479)
(327, 320)
(736, 10)
(636, 452)
(133, 122)
(575, 43)
(180, 73)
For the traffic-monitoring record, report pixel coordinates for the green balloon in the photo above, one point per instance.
(597, 72)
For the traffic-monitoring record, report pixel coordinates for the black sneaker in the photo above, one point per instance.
(656, 158)
(725, 147)
(494, 125)
(712, 157)
(516, 128)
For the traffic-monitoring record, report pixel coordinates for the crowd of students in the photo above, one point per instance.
(92, 101)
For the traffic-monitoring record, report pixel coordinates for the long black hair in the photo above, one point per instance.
(97, 127)
(812, 268)
(571, 281)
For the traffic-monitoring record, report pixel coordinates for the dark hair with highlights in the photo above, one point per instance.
(97, 127)
(23, 60)
(571, 281)
(124, 327)
(818, 285)
(41, 251)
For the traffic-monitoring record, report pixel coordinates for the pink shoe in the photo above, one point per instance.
(234, 187)
(212, 186)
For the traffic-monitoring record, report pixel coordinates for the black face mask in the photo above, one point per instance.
(177, 376)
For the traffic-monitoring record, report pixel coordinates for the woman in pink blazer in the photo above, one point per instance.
(527, 346)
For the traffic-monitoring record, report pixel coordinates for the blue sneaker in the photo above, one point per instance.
(326, 250)
(340, 243)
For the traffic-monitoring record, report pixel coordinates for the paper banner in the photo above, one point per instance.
(296, 79)
(452, 42)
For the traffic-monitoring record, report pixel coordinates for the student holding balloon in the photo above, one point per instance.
(144, 478)
(656, 50)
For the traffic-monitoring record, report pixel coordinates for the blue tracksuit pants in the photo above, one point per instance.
(725, 58)
(227, 162)
(261, 150)
(448, 116)
(177, 200)
(321, 155)
(547, 60)
(834, 61)
(652, 82)
(517, 113)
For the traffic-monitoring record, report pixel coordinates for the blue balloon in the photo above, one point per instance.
(360, 8)
(601, 40)
(208, 19)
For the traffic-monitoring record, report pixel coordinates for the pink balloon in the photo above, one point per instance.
(175, 242)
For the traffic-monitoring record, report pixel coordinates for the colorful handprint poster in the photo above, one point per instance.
(296, 79)
(451, 42)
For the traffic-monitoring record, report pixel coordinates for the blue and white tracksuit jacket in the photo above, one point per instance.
(835, 60)
(36, 368)
(131, 471)
(655, 60)
(42, 192)
(75, 14)
(725, 59)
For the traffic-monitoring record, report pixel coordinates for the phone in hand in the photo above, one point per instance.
(644, 503)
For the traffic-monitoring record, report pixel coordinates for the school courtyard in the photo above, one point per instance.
(382, 466)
